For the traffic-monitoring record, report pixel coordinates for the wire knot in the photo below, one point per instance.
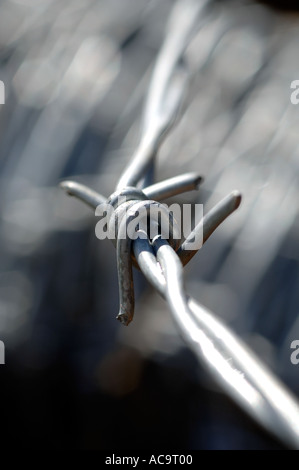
(134, 213)
(133, 216)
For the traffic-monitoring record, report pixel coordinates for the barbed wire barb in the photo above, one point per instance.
(234, 367)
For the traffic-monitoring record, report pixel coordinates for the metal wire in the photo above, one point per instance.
(234, 367)
(168, 83)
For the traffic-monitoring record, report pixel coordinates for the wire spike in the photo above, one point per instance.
(209, 223)
(173, 186)
(82, 192)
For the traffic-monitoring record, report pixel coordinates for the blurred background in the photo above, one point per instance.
(76, 75)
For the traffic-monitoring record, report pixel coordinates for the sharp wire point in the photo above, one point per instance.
(209, 223)
(84, 193)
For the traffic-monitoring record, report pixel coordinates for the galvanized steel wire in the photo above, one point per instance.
(233, 366)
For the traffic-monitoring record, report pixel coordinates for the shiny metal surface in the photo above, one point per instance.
(233, 366)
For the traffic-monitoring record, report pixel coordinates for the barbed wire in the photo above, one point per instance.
(234, 367)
